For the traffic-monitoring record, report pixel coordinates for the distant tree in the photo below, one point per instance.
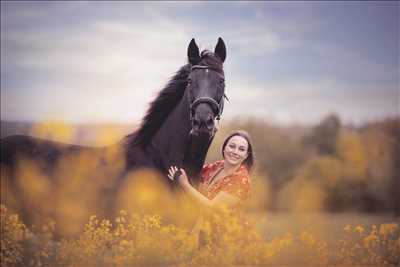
(393, 128)
(352, 152)
(383, 142)
(324, 136)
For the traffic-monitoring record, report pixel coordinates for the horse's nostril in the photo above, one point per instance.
(210, 123)
(196, 123)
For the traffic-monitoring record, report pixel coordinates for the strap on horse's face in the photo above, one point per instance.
(217, 106)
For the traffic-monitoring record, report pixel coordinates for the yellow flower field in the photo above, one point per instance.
(146, 240)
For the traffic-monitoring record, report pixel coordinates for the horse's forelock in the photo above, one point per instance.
(210, 59)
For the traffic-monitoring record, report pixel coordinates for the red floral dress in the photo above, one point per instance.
(237, 184)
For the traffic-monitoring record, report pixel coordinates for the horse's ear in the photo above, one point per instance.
(220, 49)
(193, 53)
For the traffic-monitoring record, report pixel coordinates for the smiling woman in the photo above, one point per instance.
(225, 183)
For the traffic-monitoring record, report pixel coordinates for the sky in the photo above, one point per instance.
(287, 62)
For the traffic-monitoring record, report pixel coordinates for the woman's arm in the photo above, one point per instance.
(222, 198)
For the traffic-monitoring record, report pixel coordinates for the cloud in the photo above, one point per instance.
(257, 40)
(85, 61)
(108, 70)
(307, 103)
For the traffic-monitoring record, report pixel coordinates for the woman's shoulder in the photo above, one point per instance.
(242, 174)
(238, 184)
(209, 169)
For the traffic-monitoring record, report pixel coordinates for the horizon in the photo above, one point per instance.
(272, 123)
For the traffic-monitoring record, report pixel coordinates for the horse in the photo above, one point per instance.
(177, 129)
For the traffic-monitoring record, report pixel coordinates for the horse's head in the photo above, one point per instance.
(206, 88)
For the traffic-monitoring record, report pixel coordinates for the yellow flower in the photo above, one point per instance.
(387, 229)
(307, 238)
(358, 229)
(370, 240)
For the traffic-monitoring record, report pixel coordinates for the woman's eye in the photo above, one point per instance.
(189, 82)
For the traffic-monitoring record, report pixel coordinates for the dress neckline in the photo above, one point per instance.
(211, 181)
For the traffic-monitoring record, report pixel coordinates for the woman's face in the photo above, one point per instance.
(235, 151)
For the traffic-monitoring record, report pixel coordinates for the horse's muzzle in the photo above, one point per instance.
(203, 121)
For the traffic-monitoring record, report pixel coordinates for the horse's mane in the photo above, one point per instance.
(168, 98)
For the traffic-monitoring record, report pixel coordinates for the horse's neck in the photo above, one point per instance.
(172, 139)
(173, 145)
(195, 156)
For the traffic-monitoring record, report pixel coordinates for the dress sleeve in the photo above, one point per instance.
(207, 168)
(205, 172)
(238, 186)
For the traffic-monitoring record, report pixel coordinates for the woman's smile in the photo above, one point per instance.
(233, 156)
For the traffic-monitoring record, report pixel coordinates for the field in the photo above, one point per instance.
(334, 192)
(327, 226)
(147, 240)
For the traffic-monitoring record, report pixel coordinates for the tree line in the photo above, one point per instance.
(327, 167)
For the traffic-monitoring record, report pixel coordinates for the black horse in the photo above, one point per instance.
(176, 130)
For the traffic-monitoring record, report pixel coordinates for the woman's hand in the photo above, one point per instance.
(180, 174)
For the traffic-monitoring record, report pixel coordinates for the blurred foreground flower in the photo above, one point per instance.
(133, 239)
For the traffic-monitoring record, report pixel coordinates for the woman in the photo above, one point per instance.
(225, 182)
